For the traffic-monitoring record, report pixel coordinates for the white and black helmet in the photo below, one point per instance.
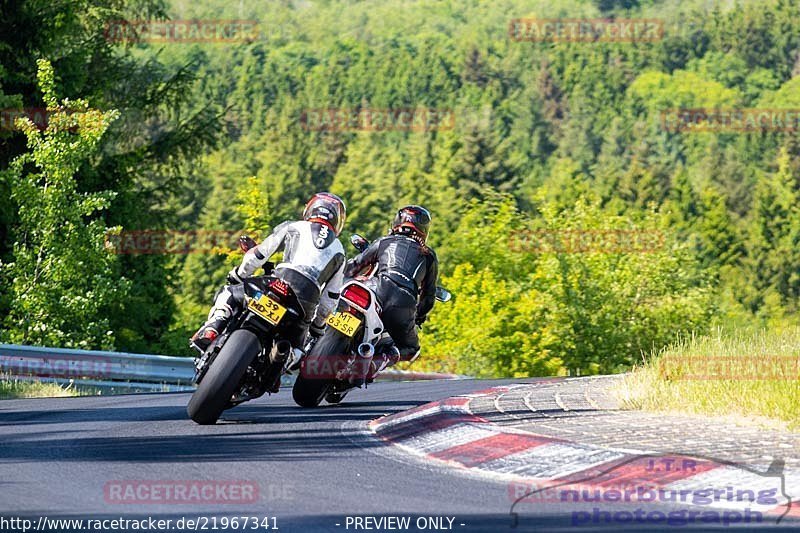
(326, 208)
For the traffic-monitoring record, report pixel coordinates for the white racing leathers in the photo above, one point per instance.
(313, 266)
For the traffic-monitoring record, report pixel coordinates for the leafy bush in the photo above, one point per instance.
(64, 284)
(521, 311)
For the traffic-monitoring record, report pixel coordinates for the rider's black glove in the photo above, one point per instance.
(420, 320)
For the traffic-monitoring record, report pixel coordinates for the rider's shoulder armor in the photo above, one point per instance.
(312, 249)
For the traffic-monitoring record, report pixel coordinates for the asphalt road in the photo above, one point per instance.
(313, 470)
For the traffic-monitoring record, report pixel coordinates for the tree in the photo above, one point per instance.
(63, 283)
(773, 256)
(146, 155)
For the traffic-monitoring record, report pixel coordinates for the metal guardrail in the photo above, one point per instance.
(128, 372)
(97, 369)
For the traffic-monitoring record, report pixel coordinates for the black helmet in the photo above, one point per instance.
(326, 208)
(412, 220)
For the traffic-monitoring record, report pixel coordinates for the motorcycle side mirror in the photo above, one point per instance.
(359, 242)
(443, 295)
(246, 243)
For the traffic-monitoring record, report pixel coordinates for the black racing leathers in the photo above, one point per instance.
(405, 285)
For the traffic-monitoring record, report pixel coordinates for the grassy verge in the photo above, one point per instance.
(752, 377)
(12, 388)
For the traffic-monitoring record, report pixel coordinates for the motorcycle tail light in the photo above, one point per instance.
(280, 287)
(357, 295)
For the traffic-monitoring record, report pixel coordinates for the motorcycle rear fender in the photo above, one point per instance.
(373, 325)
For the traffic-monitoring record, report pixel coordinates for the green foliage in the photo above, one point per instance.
(523, 307)
(773, 255)
(659, 91)
(548, 136)
(63, 283)
(493, 327)
(145, 157)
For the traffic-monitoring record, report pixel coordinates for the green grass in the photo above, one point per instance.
(12, 388)
(754, 377)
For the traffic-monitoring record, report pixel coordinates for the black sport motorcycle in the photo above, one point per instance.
(249, 356)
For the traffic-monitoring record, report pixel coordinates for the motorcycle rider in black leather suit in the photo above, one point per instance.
(405, 281)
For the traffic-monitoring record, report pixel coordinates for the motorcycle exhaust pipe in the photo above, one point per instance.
(366, 350)
(360, 368)
(281, 351)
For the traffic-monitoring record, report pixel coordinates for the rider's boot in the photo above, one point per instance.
(218, 318)
(207, 334)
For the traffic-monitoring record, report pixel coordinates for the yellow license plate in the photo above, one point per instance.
(344, 322)
(267, 308)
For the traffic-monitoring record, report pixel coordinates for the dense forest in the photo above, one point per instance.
(546, 138)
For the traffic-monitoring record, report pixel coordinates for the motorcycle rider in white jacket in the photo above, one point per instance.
(313, 266)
